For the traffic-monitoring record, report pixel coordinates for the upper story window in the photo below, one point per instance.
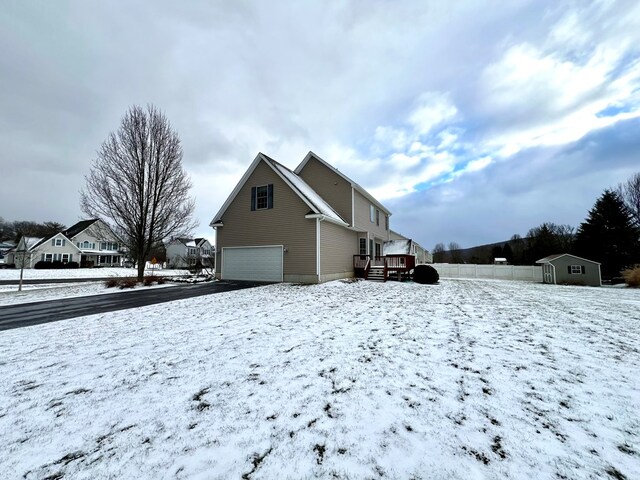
(386, 222)
(191, 251)
(58, 242)
(372, 213)
(262, 197)
(377, 217)
(108, 246)
(86, 244)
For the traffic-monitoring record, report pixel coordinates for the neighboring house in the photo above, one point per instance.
(5, 248)
(399, 244)
(24, 254)
(98, 246)
(189, 252)
(568, 269)
(89, 242)
(303, 226)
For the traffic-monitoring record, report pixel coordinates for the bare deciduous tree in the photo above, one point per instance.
(630, 194)
(137, 184)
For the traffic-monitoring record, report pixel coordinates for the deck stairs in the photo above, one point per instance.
(376, 274)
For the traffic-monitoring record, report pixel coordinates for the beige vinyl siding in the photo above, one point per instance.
(330, 186)
(363, 222)
(284, 224)
(338, 245)
(590, 277)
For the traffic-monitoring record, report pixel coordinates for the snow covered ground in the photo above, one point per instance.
(33, 274)
(466, 379)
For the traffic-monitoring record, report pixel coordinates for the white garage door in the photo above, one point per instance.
(261, 264)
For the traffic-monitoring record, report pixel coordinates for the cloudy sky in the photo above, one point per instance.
(470, 120)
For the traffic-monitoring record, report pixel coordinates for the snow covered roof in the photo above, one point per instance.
(307, 194)
(304, 190)
(551, 258)
(355, 185)
(396, 247)
(31, 242)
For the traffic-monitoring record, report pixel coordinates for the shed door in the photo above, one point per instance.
(260, 264)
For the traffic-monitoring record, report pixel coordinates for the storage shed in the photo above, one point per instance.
(564, 268)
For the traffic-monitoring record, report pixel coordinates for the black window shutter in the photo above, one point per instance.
(568, 268)
(270, 195)
(53, 242)
(253, 198)
(582, 269)
(63, 242)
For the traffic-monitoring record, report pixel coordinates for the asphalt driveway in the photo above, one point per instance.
(27, 314)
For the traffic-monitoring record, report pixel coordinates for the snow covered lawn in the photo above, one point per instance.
(33, 274)
(466, 379)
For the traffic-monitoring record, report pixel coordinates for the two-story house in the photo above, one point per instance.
(90, 243)
(303, 226)
(189, 252)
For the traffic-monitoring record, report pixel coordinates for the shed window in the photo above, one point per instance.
(576, 269)
(262, 197)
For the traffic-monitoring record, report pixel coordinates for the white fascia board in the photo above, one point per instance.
(236, 190)
(244, 179)
(323, 217)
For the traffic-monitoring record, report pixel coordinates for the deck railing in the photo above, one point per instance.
(397, 264)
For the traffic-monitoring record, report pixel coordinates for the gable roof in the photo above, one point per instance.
(31, 242)
(78, 228)
(355, 185)
(309, 196)
(551, 258)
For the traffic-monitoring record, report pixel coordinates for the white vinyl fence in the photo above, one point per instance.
(504, 272)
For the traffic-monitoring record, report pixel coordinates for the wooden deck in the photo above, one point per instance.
(395, 267)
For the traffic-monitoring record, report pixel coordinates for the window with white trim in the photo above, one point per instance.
(58, 242)
(372, 213)
(262, 197)
(363, 246)
(576, 269)
(48, 257)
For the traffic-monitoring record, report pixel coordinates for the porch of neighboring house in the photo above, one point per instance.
(383, 268)
(90, 260)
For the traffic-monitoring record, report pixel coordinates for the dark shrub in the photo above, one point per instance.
(111, 283)
(41, 265)
(161, 280)
(72, 265)
(425, 274)
(148, 280)
(127, 283)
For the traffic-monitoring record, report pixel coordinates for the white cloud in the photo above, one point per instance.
(432, 109)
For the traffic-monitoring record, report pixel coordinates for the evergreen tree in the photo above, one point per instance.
(609, 235)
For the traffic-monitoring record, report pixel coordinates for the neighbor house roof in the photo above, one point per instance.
(355, 185)
(553, 257)
(307, 194)
(33, 242)
(78, 228)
